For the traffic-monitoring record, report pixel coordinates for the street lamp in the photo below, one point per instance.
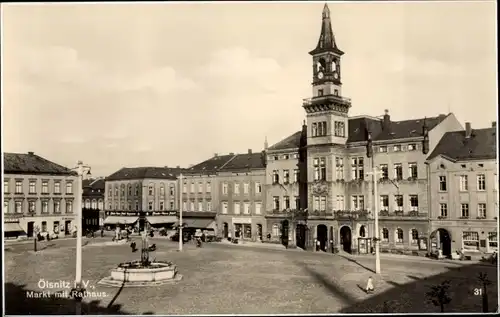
(181, 238)
(375, 172)
(78, 287)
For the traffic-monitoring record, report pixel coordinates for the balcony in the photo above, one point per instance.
(325, 99)
(401, 215)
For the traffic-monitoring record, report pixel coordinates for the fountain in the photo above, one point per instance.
(142, 272)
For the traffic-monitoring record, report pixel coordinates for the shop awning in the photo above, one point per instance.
(121, 220)
(12, 227)
(161, 219)
(199, 223)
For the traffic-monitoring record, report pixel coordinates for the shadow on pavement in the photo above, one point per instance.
(412, 298)
(17, 302)
(356, 262)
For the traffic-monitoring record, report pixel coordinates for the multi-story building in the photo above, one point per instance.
(237, 194)
(464, 191)
(38, 196)
(341, 150)
(132, 193)
(93, 203)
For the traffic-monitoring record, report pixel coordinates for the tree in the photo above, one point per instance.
(483, 278)
(438, 294)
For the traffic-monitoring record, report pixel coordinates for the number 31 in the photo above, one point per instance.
(478, 291)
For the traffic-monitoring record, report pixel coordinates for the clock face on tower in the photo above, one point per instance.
(320, 75)
(336, 75)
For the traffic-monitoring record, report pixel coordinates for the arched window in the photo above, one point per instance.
(87, 203)
(334, 65)
(414, 236)
(362, 231)
(122, 190)
(151, 189)
(94, 204)
(129, 189)
(137, 189)
(399, 235)
(385, 235)
(162, 189)
(100, 204)
(276, 230)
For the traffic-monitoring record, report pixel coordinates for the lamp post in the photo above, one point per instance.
(78, 288)
(375, 172)
(181, 238)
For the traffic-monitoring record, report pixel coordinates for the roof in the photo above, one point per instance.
(480, 146)
(229, 162)
(30, 163)
(146, 172)
(326, 40)
(290, 142)
(407, 128)
(212, 164)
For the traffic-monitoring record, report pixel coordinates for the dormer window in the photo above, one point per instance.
(397, 148)
(412, 147)
(382, 149)
(320, 92)
(336, 92)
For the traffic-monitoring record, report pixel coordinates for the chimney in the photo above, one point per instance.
(265, 144)
(31, 153)
(249, 151)
(468, 130)
(493, 124)
(231, 153)
(178, 166)
(387, 120)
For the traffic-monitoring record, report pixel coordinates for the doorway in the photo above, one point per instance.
(225, 230)
(31, 229)
(346, 239)
(284, 232)
(322, 238)
(67, 227)
(301, 236)
(444, 241)
(259, 232)
(362, 232)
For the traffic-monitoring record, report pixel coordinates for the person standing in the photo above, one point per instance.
(369, 286)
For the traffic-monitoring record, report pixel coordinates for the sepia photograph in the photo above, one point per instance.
(230, 158)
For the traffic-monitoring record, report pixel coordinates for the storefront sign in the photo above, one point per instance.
(242, 220)
(11, 220)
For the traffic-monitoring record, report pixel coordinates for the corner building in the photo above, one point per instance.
(340, 151)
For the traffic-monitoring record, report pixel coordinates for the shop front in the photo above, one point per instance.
(122, 220)
(12, 229)
(159, 220)
(204, 221)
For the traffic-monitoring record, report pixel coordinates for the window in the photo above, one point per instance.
(398, 202)
(162, 190)
(470, 240)
(339, 128)
(286, 176)
(276, 230)
(224, 188)
(258, 188)
(340, 202)
(6, 186)
(314, 129)
(382, 149)
(117, 206)
(56, 226)
(184, 188)
(322, 203)
(19, 187)
(162, 205)
(295, 175)
(493, 241)
(399, 235)
(129, 190)
(384, 203)
(481, 210)
(137, 190)
(191, 187)
(6, 207)
(385, 235)
(224, 207)
(464, 208)
(200, 187)
(258, 208)
(443, 210)
(69, 188)
(246, 208)
(44, 226)
(481, 182)
(297, 202)
(385, 171)
(45, 187)
(357, 168)
(339, 167)
(116, 191)
(276, 158)
(412, 147)
(398, 171)
(32, 189)
(315, 203)
(413, 202)
(136, 205)
(122, 190)
(335, 92)
(150, 205)
(191, 205)
(442, 183)
(237, 208)
(31, 206)
(57, 207)
(414, 236)
(276, 177)
(319, 129)
(151, 189)
(286, 157)
(200, 206)
(246, 188)
(276, 203)
(397, 148)
(413, 170)
(171, 205)
(358, 202)
(286, 202)
(100, 204)
(319, 168)
(320, 92)
(236, 188)
(464, 184)
(87, 203)
(18, 207)
(171, 189)
(94, 204)
(45, 207)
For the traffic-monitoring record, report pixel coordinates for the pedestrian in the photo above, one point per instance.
(102, 232)
(369, 285)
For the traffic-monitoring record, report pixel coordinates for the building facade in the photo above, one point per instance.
(93, 203)
(39, 196)
(342, 150)
(134, 193)
(464, 192)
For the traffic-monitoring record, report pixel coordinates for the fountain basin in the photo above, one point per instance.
(135, 274)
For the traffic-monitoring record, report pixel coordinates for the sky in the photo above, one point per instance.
(165, 84)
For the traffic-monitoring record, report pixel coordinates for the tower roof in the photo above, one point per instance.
(326, 40)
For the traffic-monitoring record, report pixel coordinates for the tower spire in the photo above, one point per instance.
(326, 40)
